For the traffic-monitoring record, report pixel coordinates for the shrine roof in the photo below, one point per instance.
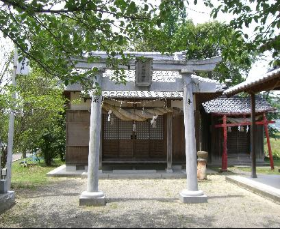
(236, 105)
(142, 94)
(268, 81)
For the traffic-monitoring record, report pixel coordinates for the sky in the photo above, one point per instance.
(199, 14)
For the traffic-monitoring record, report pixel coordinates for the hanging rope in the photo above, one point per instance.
(135, 114)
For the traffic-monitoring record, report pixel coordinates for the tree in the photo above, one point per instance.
(53, 32)
(52, 141)
(274, 101)
(59, 30)
(263, 16)
(39, 106)
(203, 41)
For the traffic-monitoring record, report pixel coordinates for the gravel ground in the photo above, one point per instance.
(146, 203)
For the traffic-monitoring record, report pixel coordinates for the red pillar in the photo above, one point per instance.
(268, 141)
(224, 154)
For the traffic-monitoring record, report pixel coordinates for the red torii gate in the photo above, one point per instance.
(267, 82)
(224, 125)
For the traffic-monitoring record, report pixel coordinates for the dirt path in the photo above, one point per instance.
(147, 203)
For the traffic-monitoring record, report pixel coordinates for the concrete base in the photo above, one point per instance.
(193, 196)
(3, 187)
(7, 200)
(267, 186)
(169, 170)
(92, 199)
(133, 171)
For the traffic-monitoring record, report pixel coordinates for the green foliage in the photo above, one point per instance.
(263, 16)
(260, 170)
(39, 107)
(200, 42)
(60, 30)
(72, 30)
(52, 141)
(274, 101)
(275, 146)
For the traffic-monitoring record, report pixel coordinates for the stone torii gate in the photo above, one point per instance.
(176, 62)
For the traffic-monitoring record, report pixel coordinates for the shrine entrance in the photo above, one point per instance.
(144, 64)
(133, 141)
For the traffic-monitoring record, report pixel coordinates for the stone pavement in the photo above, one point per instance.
(123, 174)
(140, 203)
(265, 185)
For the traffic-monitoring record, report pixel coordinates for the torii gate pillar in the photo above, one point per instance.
(191, 194)
(93, 196)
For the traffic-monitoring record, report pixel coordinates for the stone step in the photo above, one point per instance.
(133, 171)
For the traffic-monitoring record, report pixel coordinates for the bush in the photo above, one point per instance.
(52, 144)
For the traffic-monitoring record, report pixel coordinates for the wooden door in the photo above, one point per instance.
(238, 141)
(120, 142)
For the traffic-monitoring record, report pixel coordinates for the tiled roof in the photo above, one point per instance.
(142, 94)
(235, 105)
(251, 83)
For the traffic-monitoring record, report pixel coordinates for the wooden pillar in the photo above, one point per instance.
(213, 139)
(224, 154)
(191, 194)
(268, 141)
(253, 136)
(93, 196)
(169, 138)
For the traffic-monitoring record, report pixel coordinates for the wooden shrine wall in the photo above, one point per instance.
(178, 138)
(77, 139)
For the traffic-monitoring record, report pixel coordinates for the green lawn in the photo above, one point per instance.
(31, 176)
(275, 147)
(262, 170)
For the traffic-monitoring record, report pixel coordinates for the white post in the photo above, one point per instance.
(191, 194)
(93, 196)
(11, 128)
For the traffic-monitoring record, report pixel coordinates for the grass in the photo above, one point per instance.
(31, 176)
(275, 147)
(259, 170)
(262, 170)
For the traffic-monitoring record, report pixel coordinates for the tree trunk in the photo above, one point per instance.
(24, 153)
(4, 156)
